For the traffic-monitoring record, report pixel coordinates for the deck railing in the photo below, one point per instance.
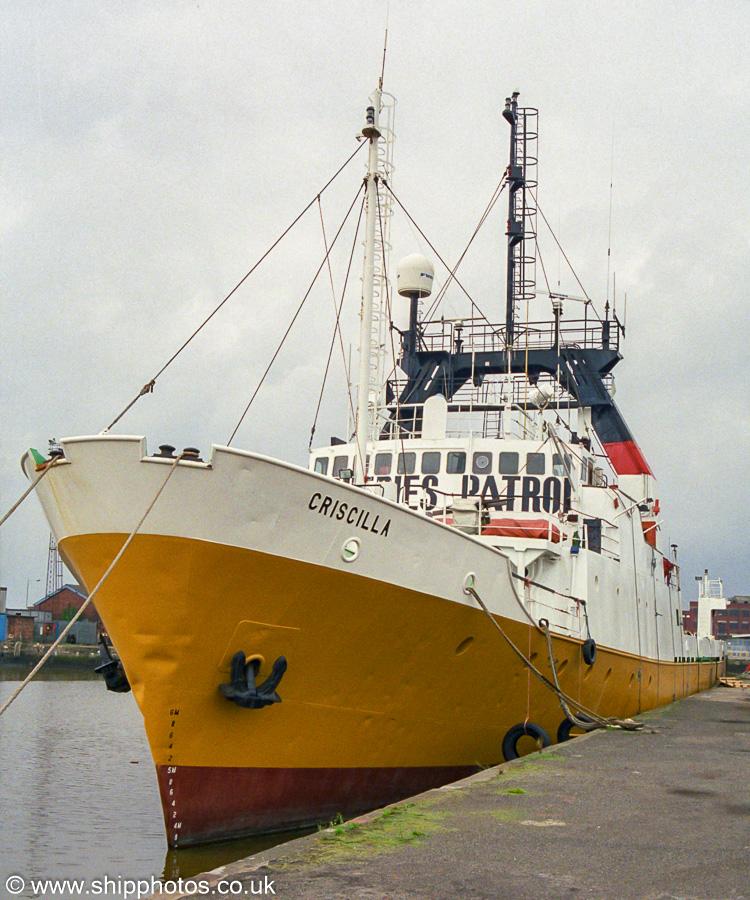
(479, 336)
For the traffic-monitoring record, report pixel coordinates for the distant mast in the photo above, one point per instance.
(54, 567)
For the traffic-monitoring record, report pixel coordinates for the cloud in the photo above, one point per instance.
(153, 151)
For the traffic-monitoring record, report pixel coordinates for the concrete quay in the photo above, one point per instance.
(658, 814)
(17, 653)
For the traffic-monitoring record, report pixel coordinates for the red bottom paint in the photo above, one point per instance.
(203, 803)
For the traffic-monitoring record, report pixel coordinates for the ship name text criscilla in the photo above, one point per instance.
(353, 515)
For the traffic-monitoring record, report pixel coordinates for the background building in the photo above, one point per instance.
(738, 651)
(58, 608)
(20, 625)
(3, 617)
(733, 620)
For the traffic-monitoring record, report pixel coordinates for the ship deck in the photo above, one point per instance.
(658, 813)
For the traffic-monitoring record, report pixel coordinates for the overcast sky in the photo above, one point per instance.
(152, 150)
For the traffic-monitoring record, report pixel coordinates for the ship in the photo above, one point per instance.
(475, 571)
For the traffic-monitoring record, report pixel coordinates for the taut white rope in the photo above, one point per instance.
(91, 596)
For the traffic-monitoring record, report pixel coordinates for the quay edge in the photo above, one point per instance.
(656, 813)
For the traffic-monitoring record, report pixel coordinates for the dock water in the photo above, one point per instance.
(660, 813)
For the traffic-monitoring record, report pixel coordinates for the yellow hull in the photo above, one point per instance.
(380, 678)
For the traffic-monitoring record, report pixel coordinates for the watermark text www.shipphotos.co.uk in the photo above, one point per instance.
(137, 888)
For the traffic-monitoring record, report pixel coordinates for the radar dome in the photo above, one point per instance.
(414, 276)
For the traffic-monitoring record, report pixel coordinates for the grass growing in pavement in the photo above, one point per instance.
(410, 823)
(397, 827)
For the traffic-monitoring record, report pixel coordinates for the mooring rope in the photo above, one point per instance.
(28, 490)
(149, 386)
(93, 593)
(597, 720)
(580, 723)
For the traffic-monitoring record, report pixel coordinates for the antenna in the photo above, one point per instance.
(382, 71)
(385, 44)
(611, 182)
(614, 294)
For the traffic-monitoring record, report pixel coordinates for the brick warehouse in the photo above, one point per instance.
(65, 602)
(20, 625)
(735, 619)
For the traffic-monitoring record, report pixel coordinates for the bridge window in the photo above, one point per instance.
(430, 463)
(508, 463)
(321, 465)
(456, 463)
(558, 466)
(481, 463)
(535, 463)
(406, 463)
(339, 463)
(383, 463)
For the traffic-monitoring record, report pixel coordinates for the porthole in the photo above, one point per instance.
(481, 462)
(350, 550)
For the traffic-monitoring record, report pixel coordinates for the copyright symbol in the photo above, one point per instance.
(15, 884)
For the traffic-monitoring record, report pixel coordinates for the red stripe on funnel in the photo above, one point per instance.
(627, 459)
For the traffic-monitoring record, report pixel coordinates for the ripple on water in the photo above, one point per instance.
(79, 794)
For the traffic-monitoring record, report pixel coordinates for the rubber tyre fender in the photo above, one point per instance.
(511, 739)
(566, 726)
(589, 651)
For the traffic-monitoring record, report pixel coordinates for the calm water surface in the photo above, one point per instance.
(78, 791)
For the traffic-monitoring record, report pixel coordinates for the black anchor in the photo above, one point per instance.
(242, 689)
(111, 670)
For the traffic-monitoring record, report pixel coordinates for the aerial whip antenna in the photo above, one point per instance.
(385, 44)
(609, 235)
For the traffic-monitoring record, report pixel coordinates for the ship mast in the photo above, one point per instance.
(371, 133)
(521, 280)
